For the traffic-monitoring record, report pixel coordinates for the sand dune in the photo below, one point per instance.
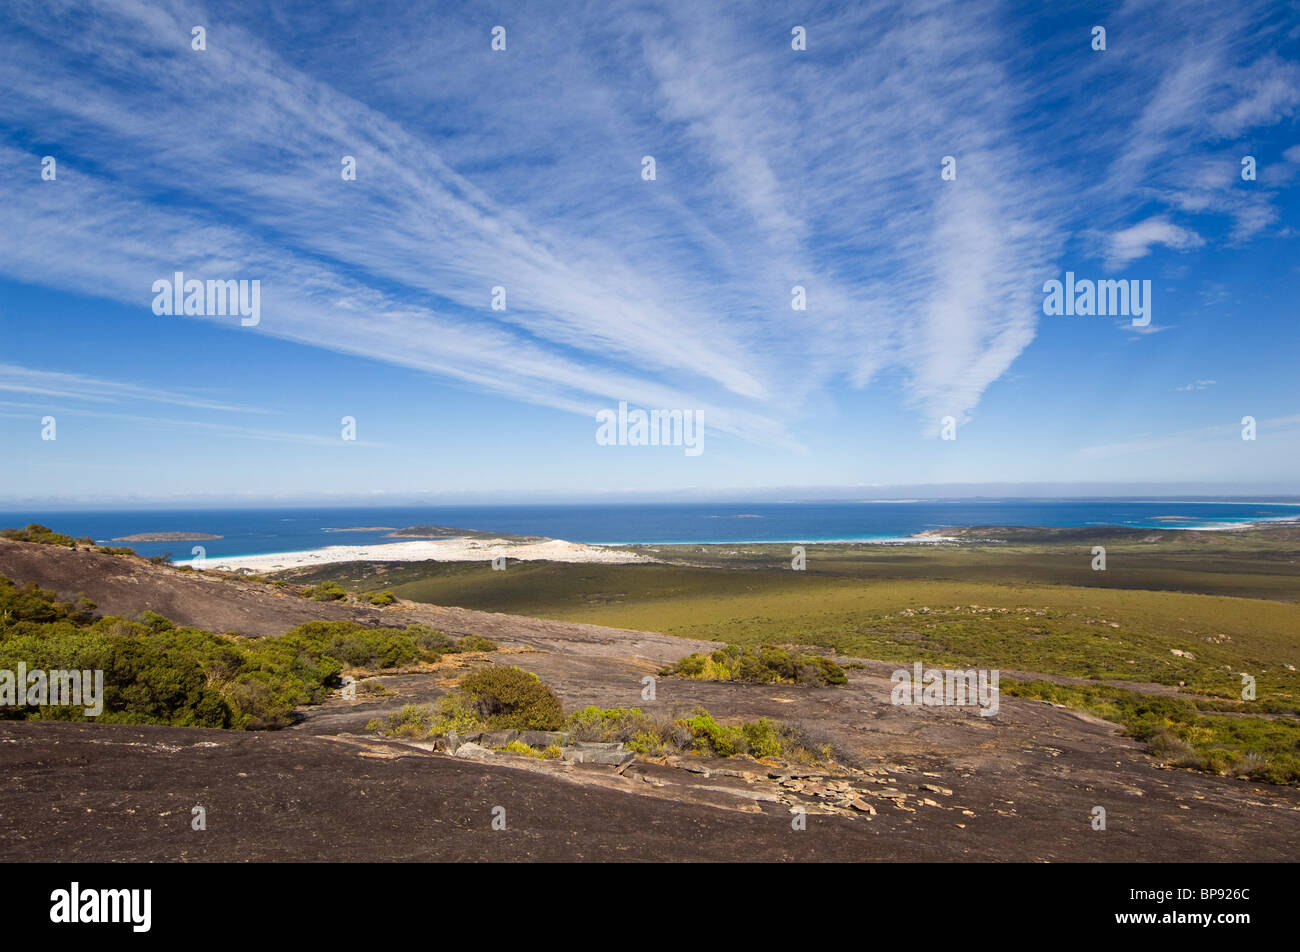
(437, 550)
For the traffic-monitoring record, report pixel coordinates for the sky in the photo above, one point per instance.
(919, 169)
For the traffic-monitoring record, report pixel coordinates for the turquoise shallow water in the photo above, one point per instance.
(259, 531)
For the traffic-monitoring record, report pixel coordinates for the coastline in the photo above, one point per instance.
(478, 548)
(426, 550)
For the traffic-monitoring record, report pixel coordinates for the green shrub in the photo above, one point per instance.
(433, 639)
(511, 698)
(609, 725)
(699, 733)
(710, 737)
(519, 747)
(457, 711)
(761, 738)
(34, 532)
(155, 622)
(382, 598)
(815, 669)
(410, 721)
(1188, 732)
(758, 664)
(32, 603)
(651, 743)
(325, 592)
(475, 643)
(156, 672)
(356, 645)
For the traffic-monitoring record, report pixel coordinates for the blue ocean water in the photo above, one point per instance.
(260, 531)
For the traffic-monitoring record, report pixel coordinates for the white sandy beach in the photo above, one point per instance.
(436, 550)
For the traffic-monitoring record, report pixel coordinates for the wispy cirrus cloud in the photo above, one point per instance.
(53, 383)
(1207, 439)
(166, 423)
(521, 170)
(1191, 85)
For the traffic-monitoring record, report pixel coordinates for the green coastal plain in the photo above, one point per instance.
(1166, 640)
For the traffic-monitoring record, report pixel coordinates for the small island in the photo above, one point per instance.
(448, 532)
(167, 537)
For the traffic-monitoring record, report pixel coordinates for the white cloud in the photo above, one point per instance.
(1136, 241)
(775, 169)
(17, 379)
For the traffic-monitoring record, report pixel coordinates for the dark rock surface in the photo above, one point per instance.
(913, 783)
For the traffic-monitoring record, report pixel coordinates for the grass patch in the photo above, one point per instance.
(758, 664)
(1016, 607)
(697, 733)
(519, 747)
(1186, 732)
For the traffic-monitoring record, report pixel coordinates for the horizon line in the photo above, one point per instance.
(1070, 492)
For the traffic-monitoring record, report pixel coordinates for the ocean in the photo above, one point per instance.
(263, 531)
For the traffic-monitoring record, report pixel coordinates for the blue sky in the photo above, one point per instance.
(522, 169)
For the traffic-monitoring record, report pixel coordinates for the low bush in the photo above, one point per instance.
(519, 747)
(157, 672)
(1189, 732)
(609, 725)
(758, 664)
(512, 698)
(486, 699)
(437, 640)
(698, 733)
(357, 646)
(324, 592)
(34, 532)
(410, 721)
